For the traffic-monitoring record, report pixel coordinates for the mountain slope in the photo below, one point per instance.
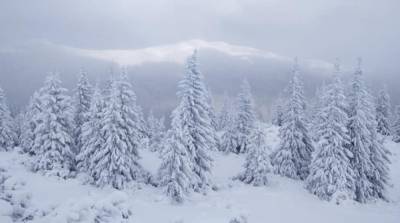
(49, 199)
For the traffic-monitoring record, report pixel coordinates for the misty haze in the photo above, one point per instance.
(231, 111)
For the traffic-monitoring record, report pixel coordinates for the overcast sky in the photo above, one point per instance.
(306, 28)
(318, 30)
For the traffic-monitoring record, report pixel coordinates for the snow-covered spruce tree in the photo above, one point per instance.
(137, 112)
(383, 112)
(106, 87)
(229, 139)
(156, 132)
(369, 160)
(257, 165)
(230, 135)
(115, 163)
(91, 135)
(7, 133)
(151, 124)
(31, 120)
(245, 118)
(159, 136)
(141, 122)
(211, 109)
(81, 103)
(360, 138)
(213, 119)
(379, 157)
(26, 133)
(18, 121)
(223, 117)
(195, 123)
(293, 157)
(277, 116)
(396, 125)
(380, 160)
(331, 175)
(316, 114)
(131, 111)
(53, 142)
(175, 173)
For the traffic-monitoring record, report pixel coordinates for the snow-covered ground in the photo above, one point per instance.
(30, 196)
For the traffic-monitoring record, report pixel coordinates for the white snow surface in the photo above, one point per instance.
(39, 198)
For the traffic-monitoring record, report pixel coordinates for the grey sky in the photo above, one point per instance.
(318, 30)
(307, 28)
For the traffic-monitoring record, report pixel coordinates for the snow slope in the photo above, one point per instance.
(49, 199)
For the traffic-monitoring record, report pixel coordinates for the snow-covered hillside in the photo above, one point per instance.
(31, 197)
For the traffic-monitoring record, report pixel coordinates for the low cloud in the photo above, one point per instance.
(178, 52)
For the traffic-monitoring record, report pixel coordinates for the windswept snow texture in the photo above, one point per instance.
(30, 197)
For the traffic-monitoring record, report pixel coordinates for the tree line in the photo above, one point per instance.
(335, 146)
